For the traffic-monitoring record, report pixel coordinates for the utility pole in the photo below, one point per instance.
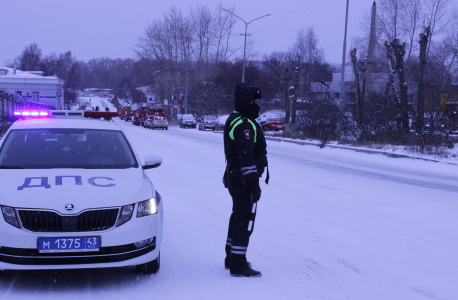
(246, 28)
(342, 76)
(296, 90)
(186, 88)
(421, 84)
(287, 100)
(370, 58)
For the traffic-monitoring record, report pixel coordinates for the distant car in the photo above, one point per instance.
(187, 121)
(147, 121)
(263, 117)
(220, 122)
(273, 124)
(128, 117)
(157, 122)
(207, 122)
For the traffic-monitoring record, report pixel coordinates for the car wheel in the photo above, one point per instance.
(167, 128)
(151, 267)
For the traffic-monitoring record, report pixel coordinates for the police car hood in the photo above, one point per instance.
(83, 188)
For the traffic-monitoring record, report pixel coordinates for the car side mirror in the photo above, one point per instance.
(152, 161)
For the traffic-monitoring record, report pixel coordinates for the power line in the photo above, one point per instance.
(287, 14)
(269, 26)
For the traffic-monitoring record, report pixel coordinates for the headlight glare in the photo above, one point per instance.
(10, 216)
(147, 207)
(126, 214)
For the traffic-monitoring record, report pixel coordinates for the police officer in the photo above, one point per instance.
(245, 149)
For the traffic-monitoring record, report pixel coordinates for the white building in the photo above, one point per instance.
(379, 81)
(33, 87)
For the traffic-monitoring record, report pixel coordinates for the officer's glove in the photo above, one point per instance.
(255, 190)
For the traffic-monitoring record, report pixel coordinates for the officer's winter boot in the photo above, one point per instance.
(246, 272)
(227, 263)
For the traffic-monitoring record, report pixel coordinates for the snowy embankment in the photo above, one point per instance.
(331, 224)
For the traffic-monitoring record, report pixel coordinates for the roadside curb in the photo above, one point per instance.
(369, 151)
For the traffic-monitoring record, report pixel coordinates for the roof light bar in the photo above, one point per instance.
(31, 113)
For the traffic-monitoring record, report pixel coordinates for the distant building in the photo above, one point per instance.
(33, 87)
(379, 81)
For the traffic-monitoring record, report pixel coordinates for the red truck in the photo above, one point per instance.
(122, 111)
(141, 114)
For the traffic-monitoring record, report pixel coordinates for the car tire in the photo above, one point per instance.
(151, 267)
(200, 128)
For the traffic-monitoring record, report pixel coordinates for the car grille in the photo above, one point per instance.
(46, 221)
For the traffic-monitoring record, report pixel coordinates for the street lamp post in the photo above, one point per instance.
(246, 28)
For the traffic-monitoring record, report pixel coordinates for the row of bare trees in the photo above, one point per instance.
(199, 39)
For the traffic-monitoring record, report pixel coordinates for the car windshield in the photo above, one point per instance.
(188, 118)
(66, 148)
(209, 119)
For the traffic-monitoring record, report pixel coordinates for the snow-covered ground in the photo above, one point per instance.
(331, 224)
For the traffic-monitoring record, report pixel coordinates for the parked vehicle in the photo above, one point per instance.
(142, 113)
(220, 122)
(273, 124)
(157, 122)
(187, 121)
(207, 122)
(92, 206)
(447, 113)
(122, 111)
(128, 117)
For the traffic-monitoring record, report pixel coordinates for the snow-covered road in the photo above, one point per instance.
(331, 224)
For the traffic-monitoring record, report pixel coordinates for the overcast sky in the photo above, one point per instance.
(96, 28)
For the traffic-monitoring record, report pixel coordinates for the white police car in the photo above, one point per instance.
(74, 195)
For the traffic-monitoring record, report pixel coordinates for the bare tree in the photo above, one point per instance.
(390, 18)
(437, 17)
(30, 58)
(203, 35)
(412, 12)
(306, 46)
(223, 25)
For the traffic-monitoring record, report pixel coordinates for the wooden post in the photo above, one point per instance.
(421, 84)
(286, 84)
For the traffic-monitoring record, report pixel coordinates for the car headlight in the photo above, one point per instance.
(126, 214)
(147, 207)
(10, 216)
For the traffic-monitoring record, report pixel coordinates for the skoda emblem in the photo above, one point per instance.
(69, 207)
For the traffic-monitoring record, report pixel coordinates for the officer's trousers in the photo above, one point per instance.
(238, 235)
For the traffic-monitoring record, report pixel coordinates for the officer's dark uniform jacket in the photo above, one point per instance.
(244, 141)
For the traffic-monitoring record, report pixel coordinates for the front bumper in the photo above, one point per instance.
(31, 257)
(159, 125)
(18, 247)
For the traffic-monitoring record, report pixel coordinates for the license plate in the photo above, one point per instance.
(69, 244)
